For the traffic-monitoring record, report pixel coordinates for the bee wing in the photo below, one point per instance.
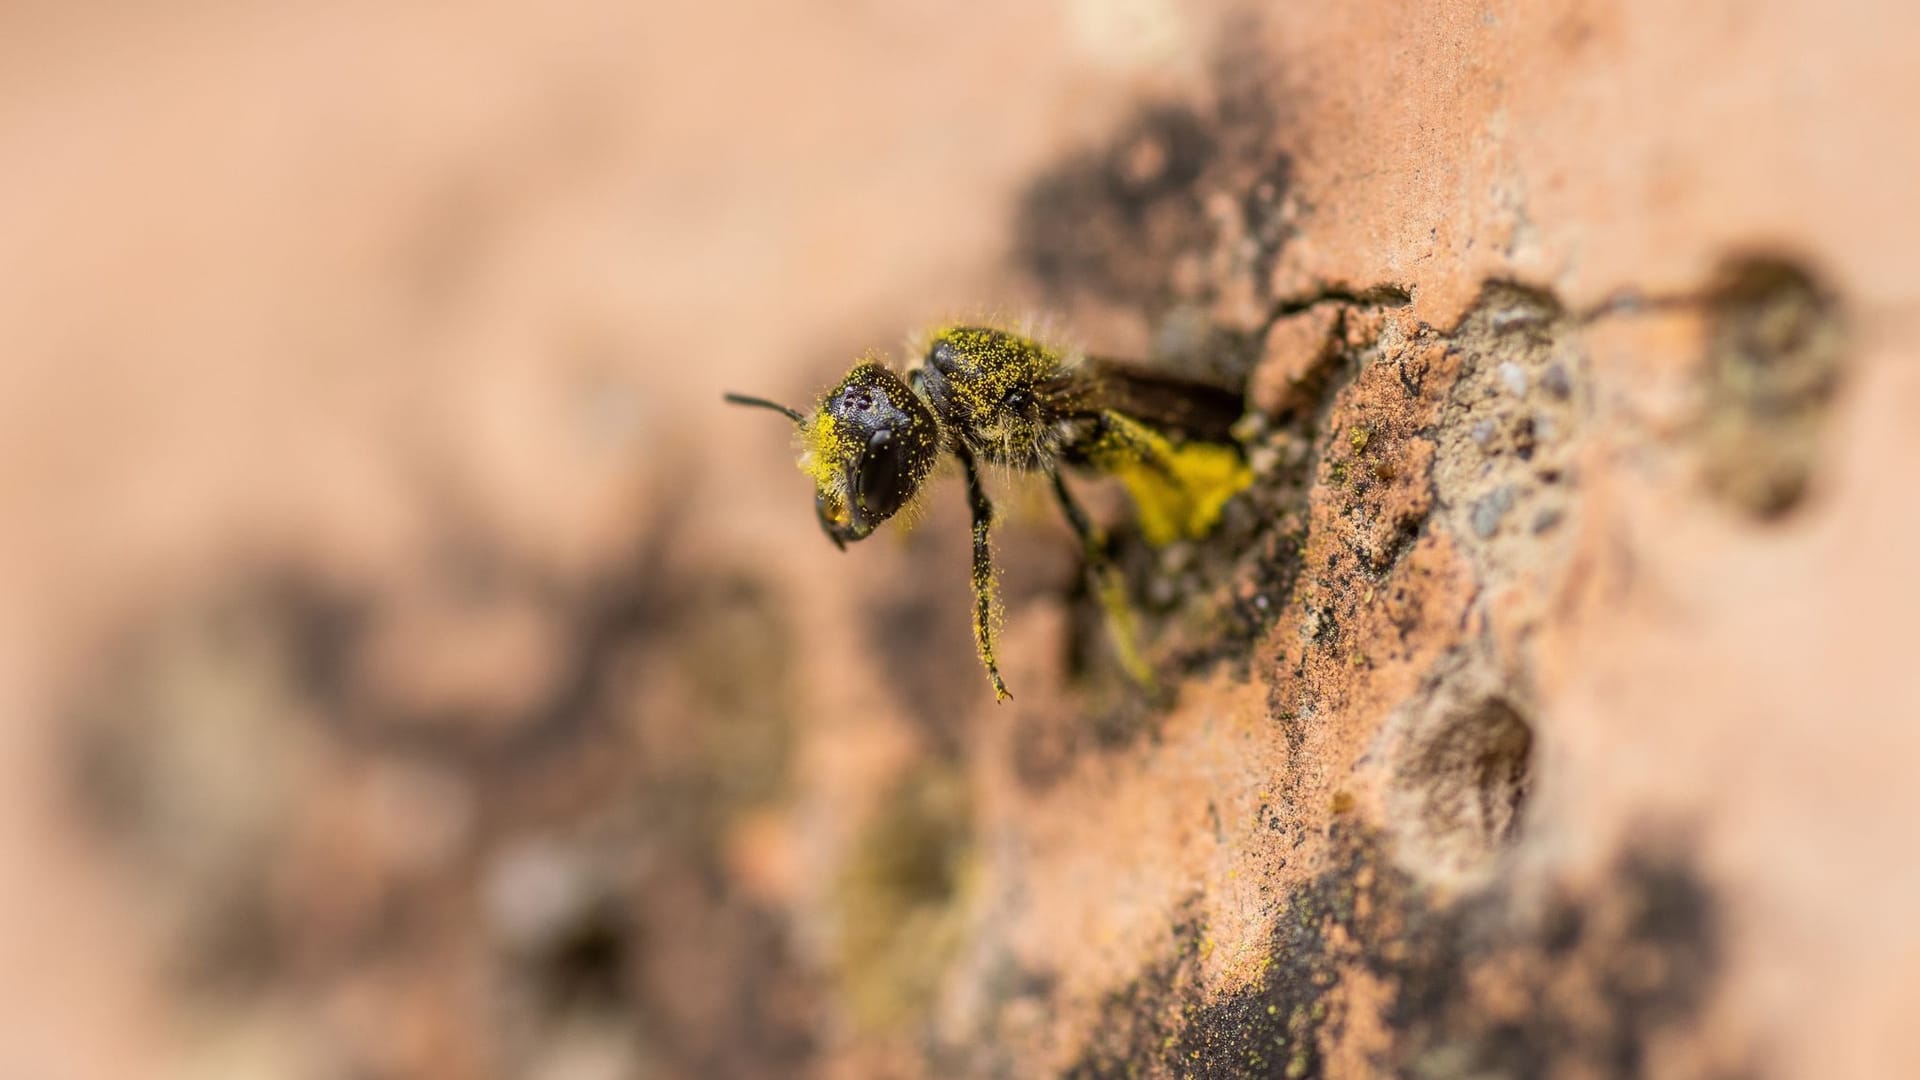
(1159, 399)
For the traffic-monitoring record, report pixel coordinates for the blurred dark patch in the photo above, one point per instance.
(1110, 221)
(308, 806)
(1588, 981)
(592, 622)
(1184, 204)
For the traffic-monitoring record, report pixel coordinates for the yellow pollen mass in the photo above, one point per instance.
(824, 450)
(1178, 491)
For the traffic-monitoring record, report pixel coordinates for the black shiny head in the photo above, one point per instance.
(869, 447)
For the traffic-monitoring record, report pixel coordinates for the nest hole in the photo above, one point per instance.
(1459, 788)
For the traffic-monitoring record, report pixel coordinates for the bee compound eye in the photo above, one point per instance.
(883, 482)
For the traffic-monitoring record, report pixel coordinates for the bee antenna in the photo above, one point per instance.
(762, 403)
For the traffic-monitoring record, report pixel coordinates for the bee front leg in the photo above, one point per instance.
(986, 602)
(1108, 587)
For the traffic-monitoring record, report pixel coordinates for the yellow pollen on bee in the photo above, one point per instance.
(825, 448)
(1002, 362)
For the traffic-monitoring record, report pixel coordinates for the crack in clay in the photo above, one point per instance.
(1383, 295)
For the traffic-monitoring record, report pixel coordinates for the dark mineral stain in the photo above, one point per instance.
(1644, 946)
(1647, 945)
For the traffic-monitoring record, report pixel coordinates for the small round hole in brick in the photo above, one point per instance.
(1459, 785)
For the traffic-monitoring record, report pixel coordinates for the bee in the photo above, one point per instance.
(988, 395)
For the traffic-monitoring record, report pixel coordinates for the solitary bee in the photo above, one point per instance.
(986, 394)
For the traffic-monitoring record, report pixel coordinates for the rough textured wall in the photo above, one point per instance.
(428, 678)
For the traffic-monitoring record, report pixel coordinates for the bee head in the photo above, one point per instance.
(868, 447)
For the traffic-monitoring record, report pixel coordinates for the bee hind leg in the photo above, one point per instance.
(986, 600)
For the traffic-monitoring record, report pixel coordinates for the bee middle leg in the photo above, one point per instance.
(1107, 586)
(985, 599)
